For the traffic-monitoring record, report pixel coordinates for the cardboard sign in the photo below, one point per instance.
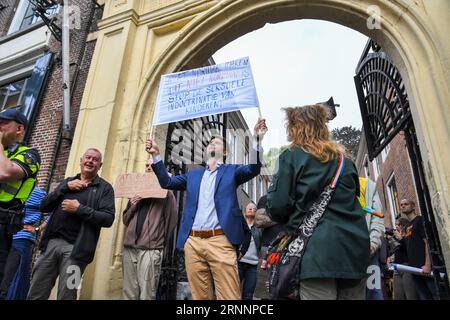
(205, 91)
(144, 184)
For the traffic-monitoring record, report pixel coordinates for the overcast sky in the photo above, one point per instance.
(296, 63)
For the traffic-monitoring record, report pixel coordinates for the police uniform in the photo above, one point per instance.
(14, 194)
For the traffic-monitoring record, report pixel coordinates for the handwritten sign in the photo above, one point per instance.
(205, 91)
(144, 184)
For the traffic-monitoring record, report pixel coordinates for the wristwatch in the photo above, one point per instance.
(37, 229)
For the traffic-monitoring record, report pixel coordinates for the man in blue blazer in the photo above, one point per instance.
(211, 225)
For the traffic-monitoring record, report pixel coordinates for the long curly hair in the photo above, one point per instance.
(307, 128)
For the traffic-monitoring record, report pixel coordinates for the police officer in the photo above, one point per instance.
(18, 168)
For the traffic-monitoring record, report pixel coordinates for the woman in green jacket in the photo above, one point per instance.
(336, 258)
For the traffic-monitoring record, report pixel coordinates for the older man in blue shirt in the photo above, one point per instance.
(212, 225)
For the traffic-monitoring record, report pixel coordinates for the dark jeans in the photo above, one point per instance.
(5, 246)
(16, 279)
(247, 274)
(53, 263)
(426, 289)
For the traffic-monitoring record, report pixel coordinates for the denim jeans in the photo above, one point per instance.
(247, 275)
(375, 293)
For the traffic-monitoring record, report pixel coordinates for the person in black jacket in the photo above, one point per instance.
(80, 207)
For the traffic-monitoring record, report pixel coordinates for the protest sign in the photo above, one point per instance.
(205, 91)
(144, 184)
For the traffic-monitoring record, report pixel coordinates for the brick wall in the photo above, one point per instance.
(397, 163)
(6, 15)
(46, 129)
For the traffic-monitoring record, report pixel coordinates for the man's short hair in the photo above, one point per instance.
(95, 150)
(410, 201)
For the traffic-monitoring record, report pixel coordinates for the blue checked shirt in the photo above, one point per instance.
(32, 213)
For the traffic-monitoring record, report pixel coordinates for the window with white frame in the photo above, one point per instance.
(255, 184)
(233, 146)
(25, 16)
(246, 161)
(245, 187)
(23, 90)
(262, 188)
(366, 166)
(385, 152)
(11, 94)
(393, 198)
(376, 169)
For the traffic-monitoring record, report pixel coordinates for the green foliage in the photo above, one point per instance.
(349, 137)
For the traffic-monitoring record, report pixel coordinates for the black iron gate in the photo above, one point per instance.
(385, 111)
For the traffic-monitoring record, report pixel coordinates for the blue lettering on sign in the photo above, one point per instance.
(235, 84)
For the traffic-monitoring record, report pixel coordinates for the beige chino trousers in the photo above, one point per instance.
(212, 263)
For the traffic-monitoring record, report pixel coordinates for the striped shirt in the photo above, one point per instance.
(32, 214)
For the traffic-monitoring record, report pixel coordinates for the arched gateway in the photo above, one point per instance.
(139, 40)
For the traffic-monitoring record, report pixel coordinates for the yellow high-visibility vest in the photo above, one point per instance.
(20, 189)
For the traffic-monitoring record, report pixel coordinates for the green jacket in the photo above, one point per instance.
(339, 246)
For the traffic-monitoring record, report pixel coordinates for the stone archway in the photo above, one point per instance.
(408, 34)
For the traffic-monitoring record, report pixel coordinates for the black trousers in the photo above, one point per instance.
(17, 270)
(425, 286)
(5, 247)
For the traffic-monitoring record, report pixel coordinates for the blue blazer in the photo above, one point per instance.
(228, 178)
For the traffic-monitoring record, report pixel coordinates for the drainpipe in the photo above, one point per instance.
(72, 91)
(66, 67)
